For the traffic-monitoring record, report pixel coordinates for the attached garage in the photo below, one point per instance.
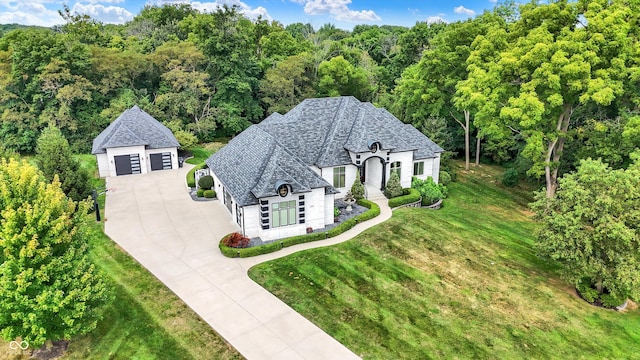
(135, 143)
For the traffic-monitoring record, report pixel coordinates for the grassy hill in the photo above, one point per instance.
(460, 282)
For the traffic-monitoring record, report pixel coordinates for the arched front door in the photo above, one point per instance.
(373, 171)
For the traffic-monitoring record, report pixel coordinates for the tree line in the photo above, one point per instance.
(537, 87)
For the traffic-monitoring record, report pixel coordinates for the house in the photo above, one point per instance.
(280, 177)
(135, 143)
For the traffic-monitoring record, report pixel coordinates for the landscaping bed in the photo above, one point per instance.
(265, 248)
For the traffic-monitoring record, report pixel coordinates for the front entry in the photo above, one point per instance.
(373, 171)
(160, 161)
(127, 164)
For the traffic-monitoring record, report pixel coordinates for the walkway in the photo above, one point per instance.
(153, 218)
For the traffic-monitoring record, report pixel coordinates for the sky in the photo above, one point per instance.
(342, 13)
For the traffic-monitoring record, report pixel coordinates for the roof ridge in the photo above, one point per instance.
(273, 144)
(331, 133)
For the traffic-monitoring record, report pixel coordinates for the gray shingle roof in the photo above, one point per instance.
(252, 163)
(134, 127)
(317, 132)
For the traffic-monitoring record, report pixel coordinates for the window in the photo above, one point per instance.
(418, 168)
(283, 213)
(338, 177)
(395, 167)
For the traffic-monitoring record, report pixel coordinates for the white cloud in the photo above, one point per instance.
(28, 13)
(210, 6)
(463, 10)
(493, 1)
(436, 19)
(105, 14)
(338, 9)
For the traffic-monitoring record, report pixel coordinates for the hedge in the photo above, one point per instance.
(209, 194)
(374, 210)
(410, 196)
(191, 175)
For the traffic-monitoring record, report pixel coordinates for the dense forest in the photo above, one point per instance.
(536, 87)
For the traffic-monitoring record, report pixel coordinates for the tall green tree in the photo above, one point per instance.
(55, 159)
(553, 62)
(288, 83)
(49, 289)
(591, 226)
(428, 89)
(339, 77)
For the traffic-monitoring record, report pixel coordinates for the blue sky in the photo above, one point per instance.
(343, 13)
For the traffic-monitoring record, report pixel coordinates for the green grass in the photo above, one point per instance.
(203, 151)
(460, 282)
(146, 320)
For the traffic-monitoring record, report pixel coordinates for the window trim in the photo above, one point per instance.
(340, 172)
(418, 165)
(287, 209)
(396, 166)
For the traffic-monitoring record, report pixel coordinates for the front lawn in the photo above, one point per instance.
(460, 282)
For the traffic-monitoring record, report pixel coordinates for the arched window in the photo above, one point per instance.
(396, 167)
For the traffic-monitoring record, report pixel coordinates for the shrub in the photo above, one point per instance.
(200, 192)
(374, 210)
(336, 212)
(357, 189)
(393, 188)
(510, 177)
(429, 190)
(236, 240)
(588, 293)
(444, 178)
(206, 182)
(191, 175)
(410, 196)
(611, 301)
(209, 194)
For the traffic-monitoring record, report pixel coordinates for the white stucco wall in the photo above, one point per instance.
(349, 178)
(107, 166)
(103, 165)
(436, 168)
(406, 167)
(174, 156)
(126, 150)
(315, 215)
(431, 168)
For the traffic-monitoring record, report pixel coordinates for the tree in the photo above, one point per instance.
(393, 188)
(591, 226)
(54, 158)
(357, 189)
(429, 88)
(287, 84)
(553, 62)
(186, 93)
(49, 290)
(339, 77)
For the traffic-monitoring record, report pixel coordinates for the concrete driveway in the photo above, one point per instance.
(153, 218)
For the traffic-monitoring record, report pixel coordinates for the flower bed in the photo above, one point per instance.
(374, 210)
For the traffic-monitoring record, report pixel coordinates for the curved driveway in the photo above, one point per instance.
(153, 218)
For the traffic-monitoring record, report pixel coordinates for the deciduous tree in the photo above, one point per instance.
(49, 289)
(54, 158)
(591, 226)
